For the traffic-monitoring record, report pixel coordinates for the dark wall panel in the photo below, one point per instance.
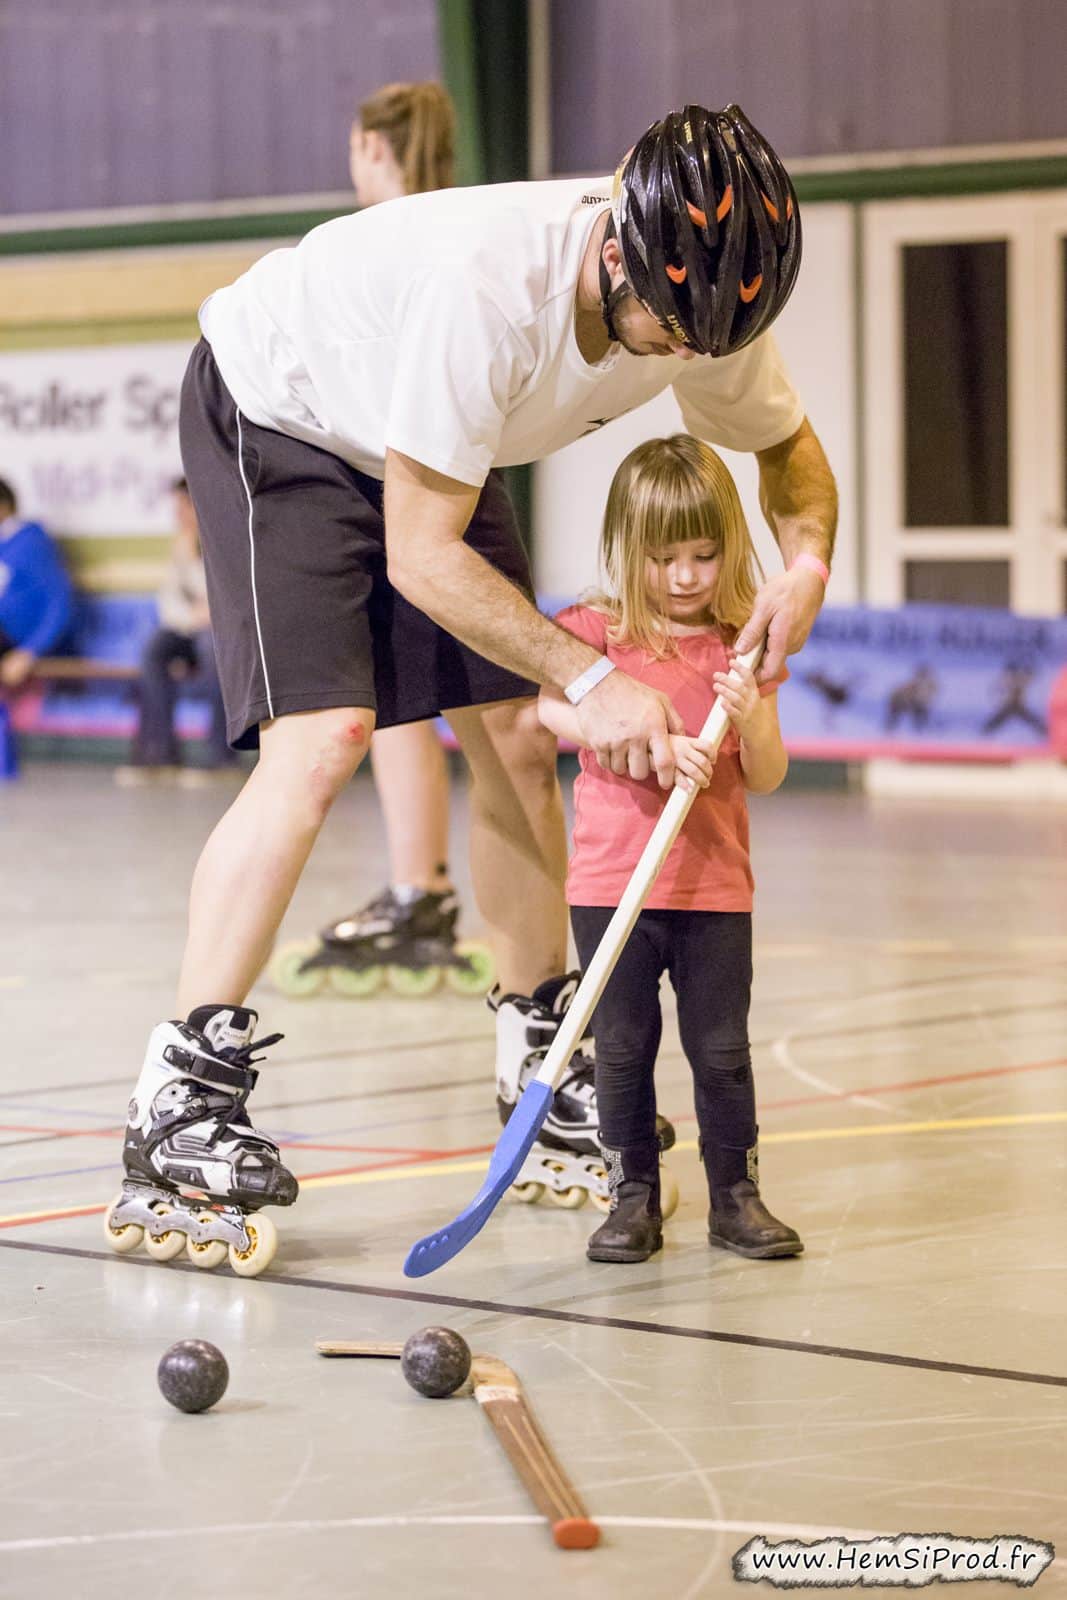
(151, 102)
(822, 77)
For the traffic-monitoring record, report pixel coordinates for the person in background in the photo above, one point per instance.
(402, 142)
(181, 648)
(36, 594)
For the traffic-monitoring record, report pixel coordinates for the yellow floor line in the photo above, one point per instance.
(797, 1136)
(55, 1216)
(452, 1169)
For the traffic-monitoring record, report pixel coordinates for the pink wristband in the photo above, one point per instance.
(806, 559)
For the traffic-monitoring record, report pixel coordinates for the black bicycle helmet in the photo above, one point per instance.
(709, 228)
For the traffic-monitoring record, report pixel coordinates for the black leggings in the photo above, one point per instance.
(708, 955)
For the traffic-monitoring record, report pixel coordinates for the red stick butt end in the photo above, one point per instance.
(575, 1533)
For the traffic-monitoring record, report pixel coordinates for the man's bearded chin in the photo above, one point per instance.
(616, 299)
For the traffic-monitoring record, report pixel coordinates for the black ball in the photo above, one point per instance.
(193, 1375)
(436, 1361)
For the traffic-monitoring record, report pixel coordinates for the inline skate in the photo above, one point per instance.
(566, 1163)
(197, 1172)
(403, 937)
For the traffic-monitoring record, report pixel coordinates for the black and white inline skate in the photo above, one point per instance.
(403, 937)
(566, 1164)
(197, 1172)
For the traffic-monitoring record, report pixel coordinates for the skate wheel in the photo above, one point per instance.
(568, 1199)
(211, 1252)
(476, 975)
(527, 1194)
(287, 972)
(602, 1202)
(262, 1243)
(668, 1193)
(164, 1246)
(411, 983)
(126, 1236)
(356, 985)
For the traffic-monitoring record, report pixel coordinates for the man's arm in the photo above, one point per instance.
(799, 499)
(426, 516)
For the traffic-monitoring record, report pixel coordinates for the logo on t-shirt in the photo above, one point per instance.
(601, 422)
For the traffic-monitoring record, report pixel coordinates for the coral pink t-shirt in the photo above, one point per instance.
(708, 869)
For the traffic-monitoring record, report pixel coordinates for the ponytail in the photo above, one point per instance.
(419, 121)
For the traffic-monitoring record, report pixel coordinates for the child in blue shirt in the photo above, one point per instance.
(36, 595)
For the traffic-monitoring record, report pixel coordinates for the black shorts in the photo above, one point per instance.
(303, 614)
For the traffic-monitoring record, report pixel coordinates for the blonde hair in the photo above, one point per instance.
(667, 492)
(419, 122)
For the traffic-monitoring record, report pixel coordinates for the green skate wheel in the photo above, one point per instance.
(164, 1246)
(412, 983)
(528, 1194)
(211, 1252)
(476, 975)
(668, 1193)
(568, 1199)
(262, 1243)
(286, 973)
(356, 985)
(126, 1236)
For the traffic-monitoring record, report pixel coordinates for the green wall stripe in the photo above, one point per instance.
(184, 230)
(867, 183)
(940, 179)
(64, 335)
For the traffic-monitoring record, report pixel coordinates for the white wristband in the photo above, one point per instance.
(589, 679)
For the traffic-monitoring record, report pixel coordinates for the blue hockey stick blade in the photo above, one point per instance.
(511, 1151)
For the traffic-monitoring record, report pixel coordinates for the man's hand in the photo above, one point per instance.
(785, 610)
(15, 667)
(629, 727)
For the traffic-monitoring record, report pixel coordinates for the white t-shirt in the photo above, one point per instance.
(442, 325)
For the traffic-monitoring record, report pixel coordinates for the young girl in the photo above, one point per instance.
(681, 569)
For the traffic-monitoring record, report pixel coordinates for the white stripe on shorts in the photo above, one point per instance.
(252, 565)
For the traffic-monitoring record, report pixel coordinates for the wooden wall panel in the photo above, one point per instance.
(151, 102)
(822, 77)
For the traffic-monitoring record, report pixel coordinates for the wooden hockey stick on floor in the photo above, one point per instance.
(503, 1399)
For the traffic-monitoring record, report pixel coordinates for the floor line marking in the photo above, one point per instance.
(788, 1530)
(882, 1358)
(451, 1168)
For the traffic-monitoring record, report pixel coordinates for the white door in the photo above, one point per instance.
(965, 408)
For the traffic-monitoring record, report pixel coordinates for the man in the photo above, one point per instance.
(340, 422)
(36, 597)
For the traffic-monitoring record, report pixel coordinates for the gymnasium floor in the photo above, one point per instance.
(907, 1374)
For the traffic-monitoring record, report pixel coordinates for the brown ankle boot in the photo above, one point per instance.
(739, 1221)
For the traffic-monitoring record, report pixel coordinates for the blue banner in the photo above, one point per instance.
(941, 682)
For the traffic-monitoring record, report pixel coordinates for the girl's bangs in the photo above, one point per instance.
(683, 509)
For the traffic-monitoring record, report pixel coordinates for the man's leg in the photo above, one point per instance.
(518, 863)
(249, 867)
(518, 842)
(411, 777)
